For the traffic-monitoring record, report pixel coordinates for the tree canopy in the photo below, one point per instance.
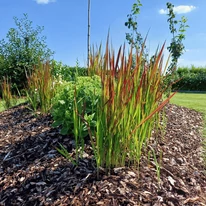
(23, 48)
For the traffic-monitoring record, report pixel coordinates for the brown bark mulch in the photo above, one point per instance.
(32, 172)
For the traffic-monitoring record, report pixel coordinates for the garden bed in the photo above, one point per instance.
(32, 172)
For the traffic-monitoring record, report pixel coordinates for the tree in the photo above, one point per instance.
(176, 47)
(134, 38)
(24, 48)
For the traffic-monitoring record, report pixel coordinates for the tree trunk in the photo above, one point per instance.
(88, 35)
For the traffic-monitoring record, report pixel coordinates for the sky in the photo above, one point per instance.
(65, 25)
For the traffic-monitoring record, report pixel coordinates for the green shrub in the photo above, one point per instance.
(85, 92)
(66, 73)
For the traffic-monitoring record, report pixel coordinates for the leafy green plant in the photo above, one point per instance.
(73, 100)
(74, 109)
(129, 106)
(41, 88)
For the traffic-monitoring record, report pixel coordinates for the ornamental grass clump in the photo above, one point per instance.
(129, 106)
(6, 93)
(41, 88)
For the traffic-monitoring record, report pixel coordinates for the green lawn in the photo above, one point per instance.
(195, 101)
(18, 101)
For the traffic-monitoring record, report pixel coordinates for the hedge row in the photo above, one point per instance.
(192, 79)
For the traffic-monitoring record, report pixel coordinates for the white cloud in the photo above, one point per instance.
(193, 50)
(182, 9)
(163, 11)
(44, 1)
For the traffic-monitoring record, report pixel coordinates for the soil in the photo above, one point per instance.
(32, 172)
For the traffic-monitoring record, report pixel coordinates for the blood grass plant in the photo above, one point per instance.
(129, 106)
(41, 87)
(6, 93)
(31, 92)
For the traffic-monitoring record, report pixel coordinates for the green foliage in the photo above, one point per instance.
(195, 70)
(192, 79)
(63, 72)
(22, 50)
(82, 95)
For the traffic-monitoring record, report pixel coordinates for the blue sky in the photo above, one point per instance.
(65, 25)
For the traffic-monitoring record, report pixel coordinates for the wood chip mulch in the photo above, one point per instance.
(33, 173)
